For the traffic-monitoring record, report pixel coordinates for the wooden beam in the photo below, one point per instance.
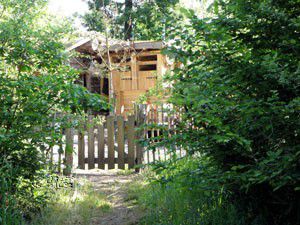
(91, 143)
(134, 72)
(111, 141)
(147, 62)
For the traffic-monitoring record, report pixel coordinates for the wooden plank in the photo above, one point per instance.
(148, 133)
(146, 53)
(131, 145)
(111, 142)
(134, 72)
(115, 160)
(69, 152)
(89, 81)
(139, 135)
(60, 151)
(91, 143)
(163, 133)
(101, 147)
(152, 133)
(121, 142)
(81, 147)
(148, 45)
(147, 63)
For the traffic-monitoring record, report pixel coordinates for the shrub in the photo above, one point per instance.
(180, 196)
(238, 87)
(35, 82)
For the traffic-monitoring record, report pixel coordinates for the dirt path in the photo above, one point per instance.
(113, 185)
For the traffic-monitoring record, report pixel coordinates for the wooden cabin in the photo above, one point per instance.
(132, 69)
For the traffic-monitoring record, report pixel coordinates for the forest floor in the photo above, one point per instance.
(115, 187)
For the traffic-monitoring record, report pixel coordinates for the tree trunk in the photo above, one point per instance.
(128, 20)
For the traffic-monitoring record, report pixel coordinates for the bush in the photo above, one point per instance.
(9, 213)
(238, 86)
(35, 83)
(179, 196)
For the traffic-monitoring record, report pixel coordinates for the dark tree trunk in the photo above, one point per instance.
(128, 21)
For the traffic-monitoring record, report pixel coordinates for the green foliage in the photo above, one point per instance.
(151, 20)
(35, 83)
(239, 89)
(181, 197)
(9, 214)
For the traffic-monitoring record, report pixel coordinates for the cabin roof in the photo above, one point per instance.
(92, 45)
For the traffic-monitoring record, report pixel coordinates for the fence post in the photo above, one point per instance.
(81, 146)
(111, 142)
(69, 152)
(139, 134)
(91, 143)
(101, 147)
(131, 147)
(120, 140)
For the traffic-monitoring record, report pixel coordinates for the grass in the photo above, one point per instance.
(125, 172)
(175, 204)
(69, 206)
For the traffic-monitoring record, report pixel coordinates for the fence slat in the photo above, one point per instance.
(81, 147)
(152, 133)
(91, 143)
(69, 152)
(130, 135)
(60, 152)
(110, 140)
(120, 140)
(101, 147)
(139, 134)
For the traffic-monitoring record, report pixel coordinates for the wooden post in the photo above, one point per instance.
(91, 143)
(148, 135)
(120, 139)
(81, 147)
(139, 134)
(60, 152)
(69, 152)
(101, 147)
(134, 70)
(163, 127)
(152, 132)
(111, 142)
(130, 135)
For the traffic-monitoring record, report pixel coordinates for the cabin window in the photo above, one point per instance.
(147, 58)
(95, 85)
(105, 86)
(148, 67)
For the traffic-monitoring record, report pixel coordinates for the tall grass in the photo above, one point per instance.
(9, 214)
(69, 206)
(172, 206)
(179, 200)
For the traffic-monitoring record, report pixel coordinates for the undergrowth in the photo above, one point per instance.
(73, 205)
(168, 199)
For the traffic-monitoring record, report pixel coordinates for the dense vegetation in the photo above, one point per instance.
(35, 82)
(239, 88)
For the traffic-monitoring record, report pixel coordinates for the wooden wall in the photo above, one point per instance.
(135, 77)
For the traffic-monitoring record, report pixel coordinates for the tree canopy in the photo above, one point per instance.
(140, 20)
